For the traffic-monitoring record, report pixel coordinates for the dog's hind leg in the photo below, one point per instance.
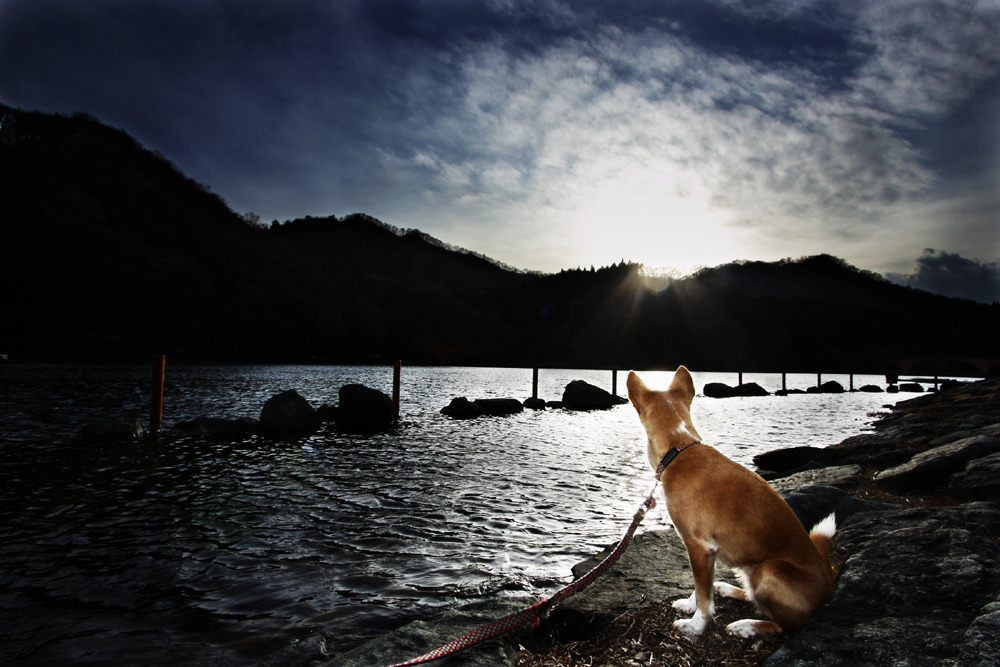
(777, 587)
(730, 591)
(749, 627)
(702, 561)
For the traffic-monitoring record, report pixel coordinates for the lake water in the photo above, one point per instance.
(182, 551)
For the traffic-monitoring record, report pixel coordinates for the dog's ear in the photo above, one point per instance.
(637, 390)
(683, 384)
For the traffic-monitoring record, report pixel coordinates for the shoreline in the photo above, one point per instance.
(919, 537)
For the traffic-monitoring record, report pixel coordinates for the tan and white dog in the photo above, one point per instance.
(724, 512)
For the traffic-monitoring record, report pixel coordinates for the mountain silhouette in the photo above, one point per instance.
(111, 253)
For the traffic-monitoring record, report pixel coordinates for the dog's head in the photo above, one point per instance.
(666, 415)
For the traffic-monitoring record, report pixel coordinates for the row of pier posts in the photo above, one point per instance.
(159, 366)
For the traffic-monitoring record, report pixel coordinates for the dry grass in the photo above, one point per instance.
(646, 637)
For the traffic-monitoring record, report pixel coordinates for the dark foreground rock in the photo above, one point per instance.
(919, 580)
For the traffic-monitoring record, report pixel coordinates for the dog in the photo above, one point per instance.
(726, 513)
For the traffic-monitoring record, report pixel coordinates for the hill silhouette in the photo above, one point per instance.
(111, 253)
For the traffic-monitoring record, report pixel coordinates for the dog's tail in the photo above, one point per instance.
(822, 536)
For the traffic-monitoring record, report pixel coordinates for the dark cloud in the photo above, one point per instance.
(953, 275)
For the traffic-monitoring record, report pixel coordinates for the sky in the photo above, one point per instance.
(552, 134)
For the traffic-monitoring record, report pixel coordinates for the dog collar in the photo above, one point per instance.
(670, 456)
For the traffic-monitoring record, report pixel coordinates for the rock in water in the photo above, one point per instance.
(365, 410)
(580, 395)
(288, 415)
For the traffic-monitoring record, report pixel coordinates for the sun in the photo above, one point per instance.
(659, 218)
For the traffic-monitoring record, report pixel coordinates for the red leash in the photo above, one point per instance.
(534, 614)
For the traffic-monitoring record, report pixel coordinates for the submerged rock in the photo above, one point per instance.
(112, 430)
(217, 427)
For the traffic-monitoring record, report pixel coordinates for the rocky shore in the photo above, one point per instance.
(918, 544)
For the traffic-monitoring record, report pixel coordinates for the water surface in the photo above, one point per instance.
(183, 551)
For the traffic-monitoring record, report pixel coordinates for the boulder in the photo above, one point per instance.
(534, 403)
(871, 389)
(462, 408)
(654, 567)
(365, 410)
(828, 387)
(580, 395)
(933, 467)
(918, 587)
(718, 390)
(288, 415)
(217, 427)
(911, 387)
(499, 407)
(112, 430)
(979, 481)
(751, 389)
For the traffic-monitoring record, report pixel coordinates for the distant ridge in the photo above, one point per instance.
(110, 253)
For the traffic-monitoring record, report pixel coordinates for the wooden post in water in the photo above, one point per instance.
(534, 382)
(740, 377)
(819, 379)
(852, 382)
(156, 396)
(784, 386)
(614, 380)
(397, 371)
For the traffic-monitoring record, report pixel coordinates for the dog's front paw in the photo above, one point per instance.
(692, 627)
(686, 605)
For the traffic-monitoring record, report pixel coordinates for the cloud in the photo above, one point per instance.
(555, 133)
(953, 275)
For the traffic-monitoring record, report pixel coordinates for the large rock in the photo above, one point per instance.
(365, 410)
(979, 481)
(933, 467)
(462, 408)
(580, 395)
(722, 390)
(829, 387)
(718, 390)
(916, 588)
(288, 415)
